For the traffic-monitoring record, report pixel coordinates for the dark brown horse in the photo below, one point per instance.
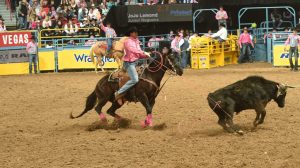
(145, 91)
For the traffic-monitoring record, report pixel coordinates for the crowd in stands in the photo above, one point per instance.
(69, 18)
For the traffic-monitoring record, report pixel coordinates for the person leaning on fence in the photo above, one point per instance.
(245, 42)
(31, 50)
(221, 35)
(222, 16)
(110, 34)
(294, 41)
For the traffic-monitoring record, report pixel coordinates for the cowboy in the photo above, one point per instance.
(221, 16)
(31, 50)
(133, 54)
(244, 42)
(294, 41)
(110, 34)
(221, 35)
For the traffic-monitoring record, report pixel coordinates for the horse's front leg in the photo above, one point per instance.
(145, 102)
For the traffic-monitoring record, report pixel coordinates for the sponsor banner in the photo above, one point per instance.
(14, 69)
(9, 39)
(280, 56)
(13, 56)
(46, 60)
(76, 59)
(160, 13)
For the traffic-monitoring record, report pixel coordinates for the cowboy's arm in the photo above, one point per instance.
(102, 27)
(226, 16)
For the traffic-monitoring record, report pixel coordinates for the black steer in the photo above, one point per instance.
(253, 92)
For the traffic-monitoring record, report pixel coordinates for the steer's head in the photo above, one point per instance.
(281, 93)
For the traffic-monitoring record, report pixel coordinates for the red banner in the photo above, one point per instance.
(9, 39)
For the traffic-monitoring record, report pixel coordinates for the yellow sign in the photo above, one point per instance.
(46, 60)
(14, 68)
(280, 56)
(79, 58)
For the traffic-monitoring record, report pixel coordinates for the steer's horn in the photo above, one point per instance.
(289, 86)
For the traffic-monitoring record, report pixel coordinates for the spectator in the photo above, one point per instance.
(171, 35)
(195, 35)
(276, 18)
(110, 35)
(85, 24)
(71, 29)
(294, 42)
(53, 13)
(33, 24)
(47, 24)
(93, 28)
(90, 42)
(110, 4)
(31, 50)
(59, 26)
(82, 13)
(175, 46)
(184, 45)
(22, 14)
(93, 12)
(153, 42)
(49, 45)
(208, 34)
(221, 35)
(245, 42)
(2, 25)
(74, 7)
(222, 16)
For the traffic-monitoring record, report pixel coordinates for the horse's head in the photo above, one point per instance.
(172, 61)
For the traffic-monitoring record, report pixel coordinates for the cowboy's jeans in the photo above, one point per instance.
(32, 59)
(134, 78)
(293, 52)
(109, 43)
(245, 53)
(184, 59)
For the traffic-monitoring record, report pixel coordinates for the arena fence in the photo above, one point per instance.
(13, 56)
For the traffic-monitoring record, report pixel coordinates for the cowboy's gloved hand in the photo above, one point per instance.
(147, 54)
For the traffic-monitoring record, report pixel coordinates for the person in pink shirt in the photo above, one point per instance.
(133, 54)
(222, 16)
(294, 42)
(31, 50)
(153, 42)
(245, 42)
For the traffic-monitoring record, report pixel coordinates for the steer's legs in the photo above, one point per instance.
(260, 115)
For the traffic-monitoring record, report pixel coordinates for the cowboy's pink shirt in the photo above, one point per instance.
(133, 50)
(245, 38)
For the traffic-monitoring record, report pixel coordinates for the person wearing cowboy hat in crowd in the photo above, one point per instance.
(133, 54)
(31, 50)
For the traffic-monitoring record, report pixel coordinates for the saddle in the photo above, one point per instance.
(120, 76)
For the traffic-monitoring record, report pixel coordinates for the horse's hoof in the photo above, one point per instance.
(145, 124)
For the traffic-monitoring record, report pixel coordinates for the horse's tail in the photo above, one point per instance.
(92, 53)
(90, 103)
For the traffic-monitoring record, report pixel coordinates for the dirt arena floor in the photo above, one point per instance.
(36, 131)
